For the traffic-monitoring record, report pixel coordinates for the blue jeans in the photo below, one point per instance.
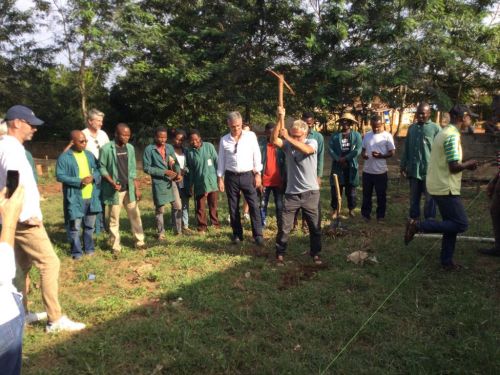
(184, 195)
(88, 231)
(417, 188)
(379, 182)
(11, 342)
(278, 202)
(454, 222)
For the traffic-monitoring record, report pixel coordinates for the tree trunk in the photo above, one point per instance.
(392, 119)
(402, 90)
(82, 84)
(247, 113)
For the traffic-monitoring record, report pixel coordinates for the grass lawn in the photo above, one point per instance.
(199, 305)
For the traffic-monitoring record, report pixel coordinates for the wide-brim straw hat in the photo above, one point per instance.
(348, 116)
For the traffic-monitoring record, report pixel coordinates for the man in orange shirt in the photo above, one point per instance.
(273, 179)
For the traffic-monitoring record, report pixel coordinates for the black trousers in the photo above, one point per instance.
(244, 182)
(379, 182)
(350, 192)
(308, 202)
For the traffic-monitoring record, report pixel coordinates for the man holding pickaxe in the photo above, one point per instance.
(302, 189)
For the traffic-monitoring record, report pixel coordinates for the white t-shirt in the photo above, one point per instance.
(182, 164)
(380, 142)
(94, 144)
(13, 157)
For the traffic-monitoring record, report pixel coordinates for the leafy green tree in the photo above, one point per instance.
(90, 41)
(204, 58)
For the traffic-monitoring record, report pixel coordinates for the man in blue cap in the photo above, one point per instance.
(32, 244)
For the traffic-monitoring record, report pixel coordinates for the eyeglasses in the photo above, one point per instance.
(26, 122)
(97, 144)
(236, 148)
(82, 141)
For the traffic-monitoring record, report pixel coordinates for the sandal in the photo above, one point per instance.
(317, 260)
(280, 261)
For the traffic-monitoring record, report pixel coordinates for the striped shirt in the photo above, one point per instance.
(445, 149)
(451, 147)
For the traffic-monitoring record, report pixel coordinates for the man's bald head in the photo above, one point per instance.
(75, 134)
(122, 134)
(79, 140)
(423, 113)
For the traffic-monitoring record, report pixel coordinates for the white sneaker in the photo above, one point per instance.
(64, 324)
(35, 317)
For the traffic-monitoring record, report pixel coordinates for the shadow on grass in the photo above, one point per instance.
(198, 305)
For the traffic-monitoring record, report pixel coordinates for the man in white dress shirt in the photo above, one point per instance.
(239, 167)
(32, 244)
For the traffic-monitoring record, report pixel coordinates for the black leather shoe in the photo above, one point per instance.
(411, 229)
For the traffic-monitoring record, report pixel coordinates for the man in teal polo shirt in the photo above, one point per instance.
(120, 186)
(444, 179)
(415, 161)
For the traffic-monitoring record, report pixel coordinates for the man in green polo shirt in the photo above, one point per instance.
(415, 161)
(443, 183)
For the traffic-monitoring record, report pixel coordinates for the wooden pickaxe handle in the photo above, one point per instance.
(339, 196)
(281, 83)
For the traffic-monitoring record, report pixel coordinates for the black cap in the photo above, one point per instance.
(21, 112)
(460, 110)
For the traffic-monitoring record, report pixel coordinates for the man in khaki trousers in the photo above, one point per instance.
(32, 244)
(120, 186)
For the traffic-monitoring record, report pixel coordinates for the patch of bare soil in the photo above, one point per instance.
(303, 272)
(47, 190)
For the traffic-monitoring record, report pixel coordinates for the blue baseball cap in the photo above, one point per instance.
(21, 112)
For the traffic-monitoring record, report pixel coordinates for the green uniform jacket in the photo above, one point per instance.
(202, 166)
(280, 155)
(109, 167)
(313, 134)
(68, 173)
(155, 166)
(417, 150)
(32, 163)
(335, 150)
